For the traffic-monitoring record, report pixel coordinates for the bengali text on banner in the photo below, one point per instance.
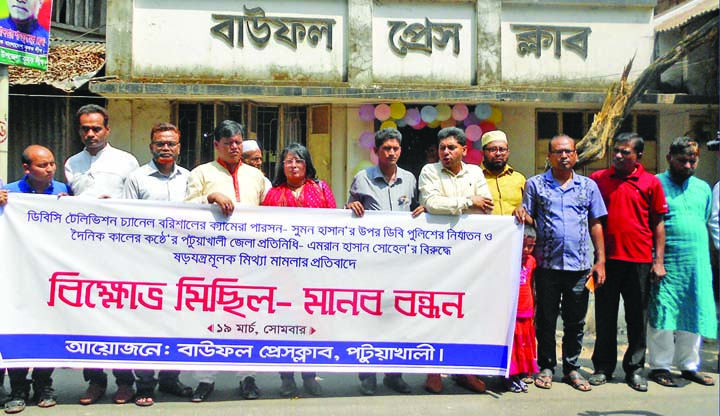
(155, 285)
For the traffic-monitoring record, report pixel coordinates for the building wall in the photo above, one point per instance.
(178, 27)
(450, 42)
(675, 124)
(171, 41)
(626, 31)
(131, 122)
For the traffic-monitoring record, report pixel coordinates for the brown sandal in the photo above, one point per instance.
(544, 379)
(577, 381)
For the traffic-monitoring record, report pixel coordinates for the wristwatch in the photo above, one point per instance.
(468, 203)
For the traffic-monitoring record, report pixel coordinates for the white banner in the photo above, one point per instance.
(133, 284)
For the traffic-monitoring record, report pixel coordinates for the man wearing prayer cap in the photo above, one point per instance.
(506, 185)
(253, 156)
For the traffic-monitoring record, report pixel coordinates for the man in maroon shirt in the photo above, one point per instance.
(633, 227)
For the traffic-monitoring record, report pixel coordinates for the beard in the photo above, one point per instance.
(495, 166)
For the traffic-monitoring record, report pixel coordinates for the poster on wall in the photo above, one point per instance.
(25, 32)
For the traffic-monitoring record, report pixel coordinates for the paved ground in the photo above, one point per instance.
(341, 397)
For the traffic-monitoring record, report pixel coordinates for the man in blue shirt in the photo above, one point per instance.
(39, 164)
(565, 208)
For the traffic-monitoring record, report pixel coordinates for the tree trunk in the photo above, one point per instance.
(621, 97)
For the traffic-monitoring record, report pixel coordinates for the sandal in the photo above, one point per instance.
(15, 405)
(511, 385)
(598, 379)
(144, 399)
(544, 379)
(523, 386)
(636, 382)
(176, 388)
(696, 377)
(577, 381)
(45, 397)
(663, 378)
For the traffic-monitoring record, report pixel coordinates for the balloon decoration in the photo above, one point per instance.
(367, 140)
(473, 133)
(420, 125)
(482, 111)
(495, 116)
(482, 119)
(448, 123)
(444, 112)
(366, 112)
(388, 124)
(397, 110)
(459, 112)
(474, 156)
(487, 126)
(412, 116)
(477, 144)
(428, 114)
(470, 120)
(382, 112)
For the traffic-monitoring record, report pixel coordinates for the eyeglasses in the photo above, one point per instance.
(87, 129)
(500, 150)
(163, 144)
(291, 162)
(561, 151)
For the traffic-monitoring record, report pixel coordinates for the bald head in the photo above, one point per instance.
(39, 165)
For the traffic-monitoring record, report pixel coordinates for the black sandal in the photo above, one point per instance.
(696, 377)
(176, 389)
(663, 378)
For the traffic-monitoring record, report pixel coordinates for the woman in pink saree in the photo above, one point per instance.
(295, 185)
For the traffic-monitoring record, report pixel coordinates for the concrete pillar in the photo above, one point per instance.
(119, 38)
(489, 13)
(360, 42)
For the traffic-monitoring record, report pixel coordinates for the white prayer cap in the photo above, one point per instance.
(493, 136)
(250, 146)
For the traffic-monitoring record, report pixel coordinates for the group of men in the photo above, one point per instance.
(621, 211)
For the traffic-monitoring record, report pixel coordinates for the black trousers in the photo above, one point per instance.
(291, 375)
(98, 376)
(41, 377)
(146, 381)
(631, 281)
(556, 289)
(363, 376)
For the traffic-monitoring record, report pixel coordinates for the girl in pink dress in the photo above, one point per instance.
(523, 361)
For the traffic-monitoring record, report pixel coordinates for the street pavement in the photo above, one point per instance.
(341, 397)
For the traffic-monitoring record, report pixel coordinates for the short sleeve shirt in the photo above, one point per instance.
(370, 188)
(630, 202)
(562, 217)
